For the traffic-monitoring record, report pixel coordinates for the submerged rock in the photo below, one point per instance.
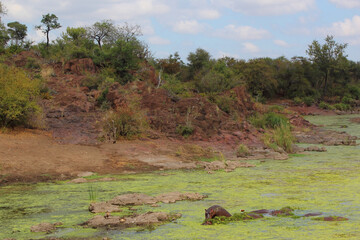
(312, 214)
(331, 219)
(315, 149)
(103, 207)
(140, 198)
(135, 199)
(145, 219)
(45, 227)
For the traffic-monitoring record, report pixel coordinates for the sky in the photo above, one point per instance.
(243, 29)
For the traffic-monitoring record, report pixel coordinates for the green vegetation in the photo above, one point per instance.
(18, 95)
(124, 123)
(242, 151)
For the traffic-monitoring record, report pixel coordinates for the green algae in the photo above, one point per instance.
(326, 182)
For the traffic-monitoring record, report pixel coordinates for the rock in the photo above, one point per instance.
(133, 199)
(315, 149)
(145, 219)
(103, 207)
(45, 227)
(78, 180)
(331, 219)
(261, 211)
(312, 214)
(85, 174)
(79, 66)
(227, 166)
(140, 198)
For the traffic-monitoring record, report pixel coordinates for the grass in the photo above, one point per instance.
(93, 193)
(242, 151)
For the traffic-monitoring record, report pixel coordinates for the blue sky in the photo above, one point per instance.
(242, 29)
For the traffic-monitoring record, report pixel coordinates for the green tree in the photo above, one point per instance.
(100, 31)
(197, 61)
(4, 37)
(326, 57)
(48, 22)
(17, 31)
(260, 77)
(17, 96)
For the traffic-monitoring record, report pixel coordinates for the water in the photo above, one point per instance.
(315, 182)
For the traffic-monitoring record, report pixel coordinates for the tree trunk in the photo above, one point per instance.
(47, 39)
(326, 82)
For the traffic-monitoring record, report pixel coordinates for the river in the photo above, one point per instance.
(327, 182)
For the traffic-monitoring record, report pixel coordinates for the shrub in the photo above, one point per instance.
(273, 120)
(102, 98)
(348, 100)
(123, 123)
(276, 108)
(297, 101)
(342, 106)
(280, 137)
(308, 101)
(242, 151)
(184, 130)
(32, 64)
(17, 96)
(324, 105)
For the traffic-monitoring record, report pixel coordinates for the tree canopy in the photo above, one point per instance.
(17, 31)
(48, 22)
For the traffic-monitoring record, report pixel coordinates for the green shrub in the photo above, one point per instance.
(342, 106)
(273, 120)
(280, 137)
(102, 98)
(32, 64)
(308, 101)
(225, 103)
(123, 123)
(17, 96)
(276, 108)
(184, 130)
(269, 120)
(242, 151)
(348, 100)
(324, 105)
(297, 101)
(354, 91)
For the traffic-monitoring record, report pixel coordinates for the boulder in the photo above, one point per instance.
(45, 227)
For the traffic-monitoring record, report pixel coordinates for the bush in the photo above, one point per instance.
(269, 120)
(342, 106)
(324, 105)
(123, 123)
(308, 101)
(17, 96)
(297, 101)
(184, 130)
(280, 137)
(32, 64)
(242, 151)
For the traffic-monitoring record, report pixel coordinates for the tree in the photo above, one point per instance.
(197, 61)
(49, 22)
(327, 57)
(17, 31)
(99, 31)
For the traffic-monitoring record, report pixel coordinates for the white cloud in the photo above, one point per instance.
(281, 43)
(156, 40)
(20, 12)
(208, 14)
(346, 3)
(250, 47)
(242, 33)
(267, 7)
(347, 28)
(125, 10)
(188, 27)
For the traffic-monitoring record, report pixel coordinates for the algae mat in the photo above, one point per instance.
(316, 182)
